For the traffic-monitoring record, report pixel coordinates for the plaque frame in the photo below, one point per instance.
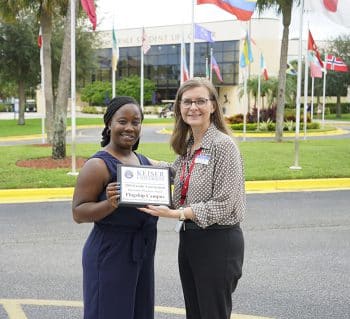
(142, 185)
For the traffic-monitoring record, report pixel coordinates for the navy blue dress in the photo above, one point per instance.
(118, 260)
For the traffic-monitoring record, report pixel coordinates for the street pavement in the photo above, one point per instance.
(297, 260)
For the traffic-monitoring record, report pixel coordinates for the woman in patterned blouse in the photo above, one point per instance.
(210, 201)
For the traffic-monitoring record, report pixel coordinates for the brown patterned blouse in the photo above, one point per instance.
(216, 190)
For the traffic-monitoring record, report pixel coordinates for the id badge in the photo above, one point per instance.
(179, 225)
(202, 159)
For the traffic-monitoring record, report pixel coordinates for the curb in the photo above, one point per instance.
(31, 195)
(272, 134)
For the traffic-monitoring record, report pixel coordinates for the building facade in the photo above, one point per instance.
(162, 62)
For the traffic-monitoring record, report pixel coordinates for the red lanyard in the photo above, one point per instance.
(186, 180)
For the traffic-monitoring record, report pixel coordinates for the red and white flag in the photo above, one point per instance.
(335, 10)
(89, 8)
(145, 43)
(335, 64)
(185, 73)
(315, 68)
(263, 68)
(331, 5)
(311, 46)
(40, 38)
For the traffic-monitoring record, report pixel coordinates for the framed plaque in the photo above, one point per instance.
(144, 185)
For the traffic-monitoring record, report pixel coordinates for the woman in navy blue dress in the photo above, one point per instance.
(118, 256)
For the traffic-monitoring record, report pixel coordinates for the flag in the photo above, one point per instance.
(246, 54)
(145, 44)
(335, 64)
(315, 67)
(185, 72)
(335, 10)
(40, 38)
(89, 8)
(202, 33)
(242, 9)
(216, 68)
(115, 51)
(263, 67)
(331, 5)
(315, 70)
(290, 70)
(311, 46)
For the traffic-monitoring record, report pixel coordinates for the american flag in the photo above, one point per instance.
(145, 44)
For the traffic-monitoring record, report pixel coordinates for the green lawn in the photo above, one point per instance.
(344, 117)
(33, 126)
(263, 161)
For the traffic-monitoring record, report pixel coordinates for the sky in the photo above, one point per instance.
(147, 13)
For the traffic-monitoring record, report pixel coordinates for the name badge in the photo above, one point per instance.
(202, 159)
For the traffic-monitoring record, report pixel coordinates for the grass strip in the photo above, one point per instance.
(263, 160)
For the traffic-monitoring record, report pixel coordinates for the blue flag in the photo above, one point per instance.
(202, 33)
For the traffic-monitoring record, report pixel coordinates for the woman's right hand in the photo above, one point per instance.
(113, 193)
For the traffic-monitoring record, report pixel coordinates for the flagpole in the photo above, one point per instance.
(211, 65)
(73, 92)
(192, 43)
(324, 92)
(245, 108)
(312, 98)
(182, 52)
(43, 100)
(113, 63)
(207, 74)
(259, 95)
(306, 85)
(297, 116)
(113, 82)
(141, 80)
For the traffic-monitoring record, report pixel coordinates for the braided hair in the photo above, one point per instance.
(113, 106)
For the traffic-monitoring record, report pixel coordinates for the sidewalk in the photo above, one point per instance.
(8, 196)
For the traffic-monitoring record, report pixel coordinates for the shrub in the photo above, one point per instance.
(4, 107)
(289, 126)
(96, 93)
(93, 110)
(235, 119)
(266, 125)
(239, 127)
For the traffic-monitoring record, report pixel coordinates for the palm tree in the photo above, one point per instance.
(252, 89)
(283, 7)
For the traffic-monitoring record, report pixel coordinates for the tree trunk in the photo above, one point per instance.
(46, 29)
(22, 100)
(287, 13)
(338, 108)
(59, 135)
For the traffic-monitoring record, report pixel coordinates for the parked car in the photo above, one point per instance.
(167, 112)
(30, 106)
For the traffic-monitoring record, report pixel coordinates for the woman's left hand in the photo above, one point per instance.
(161, 211)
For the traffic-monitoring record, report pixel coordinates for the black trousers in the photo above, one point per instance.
(210, 265)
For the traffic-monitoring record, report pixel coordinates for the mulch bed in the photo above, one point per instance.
(50, 163)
